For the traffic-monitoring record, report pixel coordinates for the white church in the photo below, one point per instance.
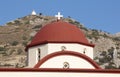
(59, 49)
(55, 37)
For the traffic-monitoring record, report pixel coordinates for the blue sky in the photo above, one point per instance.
(96, 14)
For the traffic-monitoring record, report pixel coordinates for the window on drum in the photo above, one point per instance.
(39, 53)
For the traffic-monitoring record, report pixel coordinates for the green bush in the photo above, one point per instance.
(14, 43)
(31, 38)
(19, 51)
(10, 23)
(17, 22)
(111, 66)
(24, 43)
(116, 38)
(46, 19)
(74, 22)
(2, 49)
(89, 36)
(84, 28)
(105, 36)
(106, 58)
(37, 26)
(24, 38)
(27, 22)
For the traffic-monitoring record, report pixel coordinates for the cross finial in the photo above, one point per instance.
(58, 16)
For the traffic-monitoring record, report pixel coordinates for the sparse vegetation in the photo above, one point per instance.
(37, 26)
(89, 36)
(84, 28)
(107, 59)
(30, 38)
(46, 19)
(2, 49)
(24, 38)
(24, 43)
(116, 39)
(17, 22)
(111, 65)
(27, 22)
(10, 23)
(19, 51)
(14, 43)
(74, 22)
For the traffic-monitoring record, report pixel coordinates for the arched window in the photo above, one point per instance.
(39, 53)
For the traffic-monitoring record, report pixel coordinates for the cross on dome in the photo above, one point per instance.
(58, 16)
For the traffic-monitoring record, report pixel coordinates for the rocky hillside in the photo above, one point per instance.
(15, 35)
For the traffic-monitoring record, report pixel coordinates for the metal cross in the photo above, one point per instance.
(58, 16)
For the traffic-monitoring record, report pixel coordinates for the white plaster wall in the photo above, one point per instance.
(57, 74)
(33, 54)
(53, 47)
(31, 57)
(74, 62)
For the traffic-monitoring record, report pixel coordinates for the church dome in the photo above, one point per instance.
(59, 32)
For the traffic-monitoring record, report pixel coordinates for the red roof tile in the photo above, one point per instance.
(59, 32)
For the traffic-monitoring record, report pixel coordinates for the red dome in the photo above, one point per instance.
(59, 32)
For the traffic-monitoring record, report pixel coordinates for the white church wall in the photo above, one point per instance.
(53, 47)
(58, 74)
(31, 57)
(73, 62)
(33, 54)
